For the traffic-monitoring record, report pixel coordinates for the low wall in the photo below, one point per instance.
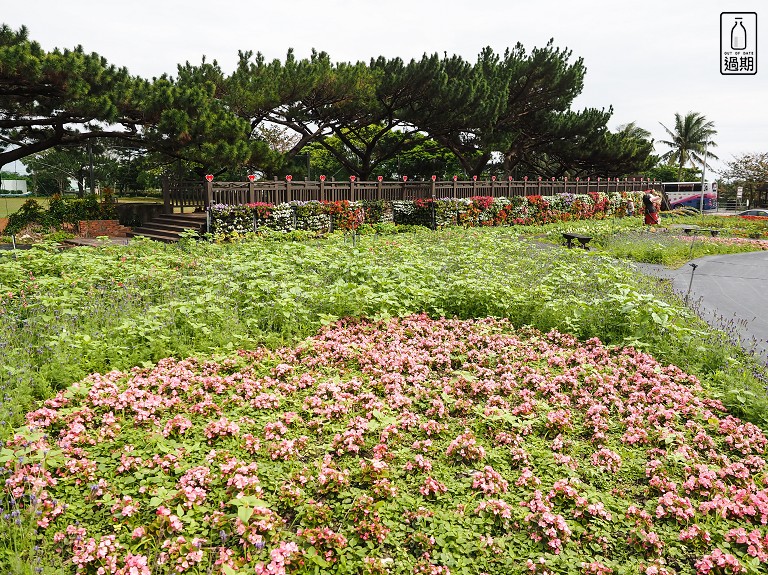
(96, 228)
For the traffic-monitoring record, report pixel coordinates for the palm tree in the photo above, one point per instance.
(690, 141)
(634, 131)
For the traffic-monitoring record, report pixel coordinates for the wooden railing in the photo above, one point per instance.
(200, 195)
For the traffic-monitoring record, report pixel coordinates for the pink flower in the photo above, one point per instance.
(432, 487)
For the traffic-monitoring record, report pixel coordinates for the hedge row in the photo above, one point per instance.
(434, 213)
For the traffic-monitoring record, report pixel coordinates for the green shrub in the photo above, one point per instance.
(60, 211)
(29, 213)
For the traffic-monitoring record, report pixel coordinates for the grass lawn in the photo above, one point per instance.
(11, 205)
(628, 238)
(140, 200)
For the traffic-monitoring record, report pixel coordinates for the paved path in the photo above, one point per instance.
(730, 291)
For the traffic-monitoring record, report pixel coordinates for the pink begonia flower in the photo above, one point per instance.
(399, 385)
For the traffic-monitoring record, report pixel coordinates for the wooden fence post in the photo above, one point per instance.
(167, 208)
(208, 194)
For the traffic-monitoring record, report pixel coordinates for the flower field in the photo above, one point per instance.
(371, 446)
(401, 446)
(66, 314)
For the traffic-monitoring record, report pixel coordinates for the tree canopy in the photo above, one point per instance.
(747, 168)
(59, 98)
(690, 140)
(503, 113)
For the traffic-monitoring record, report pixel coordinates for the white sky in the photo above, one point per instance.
(648, 59)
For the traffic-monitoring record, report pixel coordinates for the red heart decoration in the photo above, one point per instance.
(251, 177)
(322, 178)
(474, 178)
(455, 178)
(434, 178)
(493, 178)
(209, 177)
(351, 178)
(379, 178)
(288, 178)
(405, 178)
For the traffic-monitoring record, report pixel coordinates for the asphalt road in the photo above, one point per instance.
(730, 292)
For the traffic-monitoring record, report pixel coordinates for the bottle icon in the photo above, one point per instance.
(738, 35)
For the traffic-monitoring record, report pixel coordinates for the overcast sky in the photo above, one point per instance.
(647, 59)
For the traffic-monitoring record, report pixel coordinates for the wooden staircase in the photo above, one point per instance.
(168, 228)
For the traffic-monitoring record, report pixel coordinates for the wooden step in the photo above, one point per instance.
(169, 227)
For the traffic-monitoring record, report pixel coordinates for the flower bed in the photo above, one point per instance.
(433, 213)
(410, 446)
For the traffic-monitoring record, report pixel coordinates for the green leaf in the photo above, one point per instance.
(244, 513)
(248, 501)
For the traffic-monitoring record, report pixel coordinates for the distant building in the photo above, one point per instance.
(14, 186)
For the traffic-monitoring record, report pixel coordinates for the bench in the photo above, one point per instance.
(583, 240)
(694, 230)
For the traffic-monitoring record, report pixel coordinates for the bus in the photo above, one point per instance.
(688, 194)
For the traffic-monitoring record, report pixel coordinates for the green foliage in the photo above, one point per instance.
(628, 238)
(60, 211)
(669, 173)
(186, 119)
(29, 213)
(54, 98)
(367, 118)
(71, 313)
